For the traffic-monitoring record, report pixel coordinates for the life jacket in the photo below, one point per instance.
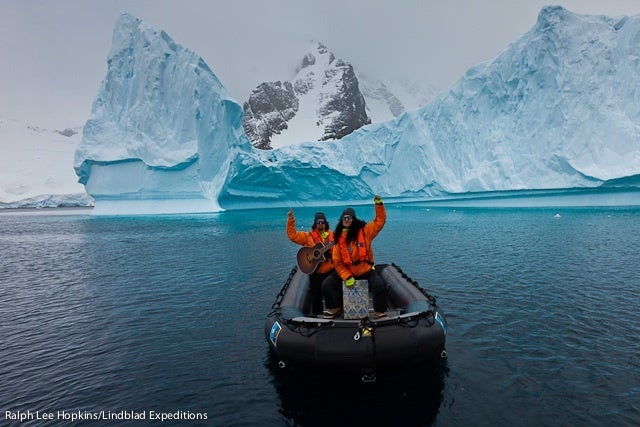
(317, 238)
(344, 249)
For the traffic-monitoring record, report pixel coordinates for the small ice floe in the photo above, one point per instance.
(556, 215)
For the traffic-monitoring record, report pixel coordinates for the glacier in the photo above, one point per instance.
(36, 166)
(557, 109)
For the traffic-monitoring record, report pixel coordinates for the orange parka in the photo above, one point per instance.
(307, 238)
(360, 267)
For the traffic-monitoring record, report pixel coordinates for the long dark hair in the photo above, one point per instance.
(352, 233)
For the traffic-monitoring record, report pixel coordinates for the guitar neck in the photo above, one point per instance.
(326, 247)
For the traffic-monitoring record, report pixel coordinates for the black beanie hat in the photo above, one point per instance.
(349, 211)
(319, 215)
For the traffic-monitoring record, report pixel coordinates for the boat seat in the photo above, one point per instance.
(355, 300)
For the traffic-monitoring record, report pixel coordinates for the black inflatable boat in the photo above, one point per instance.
(414, 331)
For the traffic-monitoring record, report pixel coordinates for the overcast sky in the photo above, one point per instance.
(53, 53)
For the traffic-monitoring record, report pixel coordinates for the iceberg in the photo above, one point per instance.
(557, 109)
(162, 127)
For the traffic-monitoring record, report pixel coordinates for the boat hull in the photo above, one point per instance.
(414, 332)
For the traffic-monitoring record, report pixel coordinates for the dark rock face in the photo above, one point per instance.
(345, 108)
(68, 132)
(267, 111)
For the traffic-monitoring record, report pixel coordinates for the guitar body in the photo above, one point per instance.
(309, 257)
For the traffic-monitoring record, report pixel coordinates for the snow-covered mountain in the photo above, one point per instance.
(36, 166)
(327, 99)
(389, 98)
(322, 102)
(559, 108)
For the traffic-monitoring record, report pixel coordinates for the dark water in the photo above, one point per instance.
(165, 314)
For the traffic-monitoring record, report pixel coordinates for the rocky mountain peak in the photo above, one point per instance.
(322, 102)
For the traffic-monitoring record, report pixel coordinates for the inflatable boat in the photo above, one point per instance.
(413, 332)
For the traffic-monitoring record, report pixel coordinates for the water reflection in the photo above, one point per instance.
(309, 398)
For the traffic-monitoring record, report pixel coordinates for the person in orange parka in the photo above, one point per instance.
(353, 260)
(320, 233)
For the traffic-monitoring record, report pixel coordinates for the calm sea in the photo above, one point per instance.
(125, 317)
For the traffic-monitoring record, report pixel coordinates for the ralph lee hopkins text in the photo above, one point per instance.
(23, 416)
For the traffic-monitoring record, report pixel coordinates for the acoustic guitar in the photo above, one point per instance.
(309, 257)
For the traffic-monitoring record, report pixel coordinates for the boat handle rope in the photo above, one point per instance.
(275, 307)
(414, 321)
(429, 297)
(299, 327)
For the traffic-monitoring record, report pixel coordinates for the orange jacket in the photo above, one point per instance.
(305, 238)
(371, 230)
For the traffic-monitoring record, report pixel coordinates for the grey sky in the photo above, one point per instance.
(54, 53)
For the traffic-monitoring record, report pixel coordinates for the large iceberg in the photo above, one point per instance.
(559, 108)
(163, 128)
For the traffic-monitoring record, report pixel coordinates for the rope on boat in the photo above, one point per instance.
(429, 315)
(429, 297)
(275, 307)
(307, 329)
(414, 321)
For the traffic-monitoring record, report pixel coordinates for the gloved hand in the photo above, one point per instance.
(350, 281)
(377, 200)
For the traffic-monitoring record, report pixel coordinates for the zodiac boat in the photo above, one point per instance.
(414, 331)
